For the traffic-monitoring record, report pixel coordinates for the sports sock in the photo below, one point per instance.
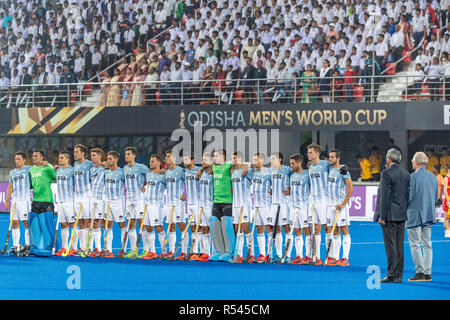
(318, 240)
(346, 242)
(327, 240)
(151, 236)
(206, 243)
(261, 239)
(81, 236)
(133, 239)
(97, 235)
(109, 240)
(91, 244)
(172, 240)
(122, 238)
(161, 237)
(185, 244)
(197, 243)
(269, 242)
(336, 246)
(145, 238)
(240, 249)
(289, 236)
(15, 236)
(299, 246)
(248, 239)
(307, 246)
(279, 244)
(65, 237)
(27, 237)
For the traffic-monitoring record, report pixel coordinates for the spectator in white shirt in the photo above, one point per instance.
(397, 41)
(434, 72)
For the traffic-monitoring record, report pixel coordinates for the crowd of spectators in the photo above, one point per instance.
(288, 44)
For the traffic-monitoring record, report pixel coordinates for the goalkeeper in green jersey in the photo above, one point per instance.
(41, 224)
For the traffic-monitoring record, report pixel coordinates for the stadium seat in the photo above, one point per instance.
(239, 96)
(425, 93)
(407, 60)
(391, 71)
(87, 89)
(358, 92)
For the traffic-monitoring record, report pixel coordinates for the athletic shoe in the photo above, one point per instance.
(129, 254)
(331, 262)
(143, 254)
(120, 254)
(343, 263)
(194, 257)
(306, 260)
(167, 255)
(296, 260)
(150, 256)
(226, 257)
(260, 259)
(95, 253)
(276, 259)
(318, 262)
(202, 257)
(417, 277)
(214, 257)
(428, 277)
(239, 259)
(251, 259)
(60, 252)
(266, 259)
(73, 252)
(181, 256)
(108, 254)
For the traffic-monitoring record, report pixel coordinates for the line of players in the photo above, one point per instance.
(95, 189)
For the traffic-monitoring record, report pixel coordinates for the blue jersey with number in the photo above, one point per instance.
(134, 180)
(241, 188)
(98, 182)
(336, 186)
(21, 183)
(174, 185)
(156, 185)
(82, 178)
(206, 190)
(192, 185)
(261, 185)
(300, 188)
(280, 182)
(65, 184)
(115, 184)
(318, 178)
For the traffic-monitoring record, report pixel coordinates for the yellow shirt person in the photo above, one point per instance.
(366, 174)
(432, 161)
(445, 159)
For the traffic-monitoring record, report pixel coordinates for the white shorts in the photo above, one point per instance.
(343, 217)
(153, 216)
(303, 218)
(116, 211)
(206, 214)
(261, 214)
(318, 211)
(246, 214)
(138, 209)
(86, 203)
(100, 210)
(283, 217)
(178, 214)
(66, 212)
(22, 210)
(193, 209)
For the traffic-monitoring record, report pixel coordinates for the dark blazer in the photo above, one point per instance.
(394, 193)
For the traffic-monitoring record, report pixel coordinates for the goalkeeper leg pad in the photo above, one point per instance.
(217, 237)
(229, 237)
(48, 231)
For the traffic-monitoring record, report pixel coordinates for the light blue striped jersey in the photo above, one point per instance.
(318, 178)
(21, 183)
(336, 186)
(192, 185)
(134, 180)
(83, 178)
(174, 185)
(154, 193)
(115, 184)
(98, 182)
(65, 184)
(241, 188)
(206, 190)
(261, 185)
(300, 188)
(280, 182)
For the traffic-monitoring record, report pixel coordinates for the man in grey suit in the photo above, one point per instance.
(421, 208)
(393, 196)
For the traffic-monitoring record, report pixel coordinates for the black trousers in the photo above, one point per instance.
(222, 210)
(41, 207)
(394, 244)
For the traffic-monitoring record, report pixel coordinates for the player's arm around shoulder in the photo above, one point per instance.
(50, 171)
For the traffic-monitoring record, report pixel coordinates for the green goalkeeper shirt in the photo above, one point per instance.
(222, 183)
(41, 180)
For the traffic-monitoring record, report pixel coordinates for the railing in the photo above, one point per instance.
(223, 91)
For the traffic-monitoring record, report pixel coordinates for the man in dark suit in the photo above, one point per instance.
(87, 56)
(249, 73)
(391, 213)
(24, 96)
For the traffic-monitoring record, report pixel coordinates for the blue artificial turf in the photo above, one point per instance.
(51, 278)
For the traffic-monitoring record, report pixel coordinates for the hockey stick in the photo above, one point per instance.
(136, 251)
(9, 229)
(164, 245)
(105, 230)
(272, 242)
(64, 254)
(125, 238)
(90, 230)
(170, 258)
(331, 237)
(289, 241)
(236, 245)
(250, 244)
(195, 235)
(56, 232)
(312, 252)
